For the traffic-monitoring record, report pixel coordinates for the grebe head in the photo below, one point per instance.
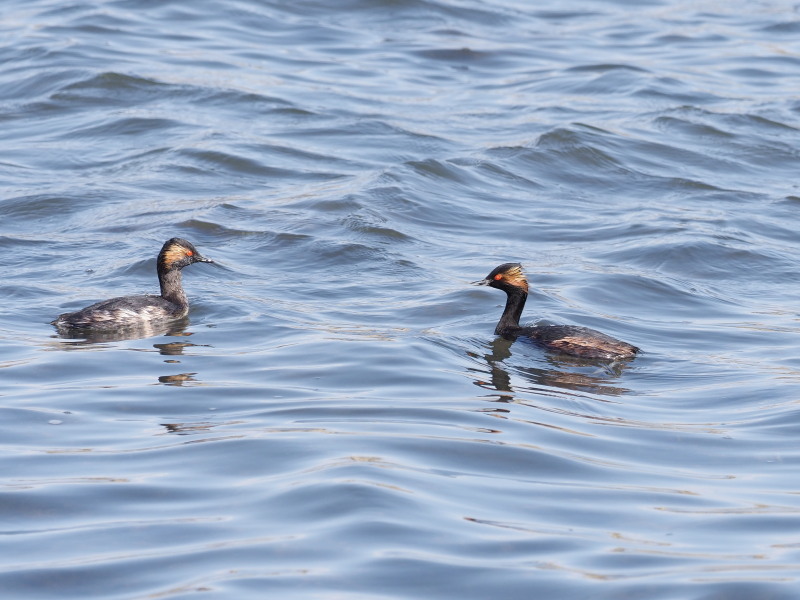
(178, 253)
(507, 277)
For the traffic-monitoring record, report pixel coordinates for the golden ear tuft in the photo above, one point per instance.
(516, 277)
(175, 253)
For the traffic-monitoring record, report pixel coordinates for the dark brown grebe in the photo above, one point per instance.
(134, 311)
(570, 339)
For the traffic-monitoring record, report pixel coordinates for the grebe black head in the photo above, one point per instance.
(133, 311)
(508, 276)
(177, 253)
(570, 339)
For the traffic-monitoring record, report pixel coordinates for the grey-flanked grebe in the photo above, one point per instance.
(570, 339)
(134, 311)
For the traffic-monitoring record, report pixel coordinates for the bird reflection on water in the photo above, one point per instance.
(178, 379)
(88, 339)
(85, 337)
(567, 372)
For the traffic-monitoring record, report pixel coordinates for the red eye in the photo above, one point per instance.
(498, 277)
(189, 253)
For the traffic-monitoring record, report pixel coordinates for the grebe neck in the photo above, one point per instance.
(171, 287)
(512, 312)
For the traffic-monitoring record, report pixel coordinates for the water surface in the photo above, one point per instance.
(335, 418)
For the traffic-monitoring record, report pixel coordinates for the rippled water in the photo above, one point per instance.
(336, 419)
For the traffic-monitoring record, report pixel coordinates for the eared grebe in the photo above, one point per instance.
(570, 339)
(134, 311)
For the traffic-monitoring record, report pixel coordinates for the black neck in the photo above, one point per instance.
(171, 288)
(515, 302)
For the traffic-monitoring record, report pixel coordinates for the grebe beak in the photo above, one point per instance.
(480, 282)
(198, 258)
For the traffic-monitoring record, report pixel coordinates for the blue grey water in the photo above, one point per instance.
(336, 418)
